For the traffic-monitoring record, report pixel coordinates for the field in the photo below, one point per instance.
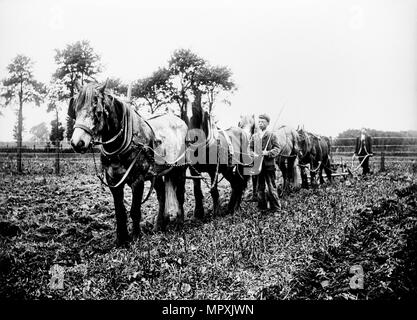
(304, 251)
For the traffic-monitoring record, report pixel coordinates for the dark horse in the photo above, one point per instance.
(314, 151)
(132, 151)
(286, 160)
(216, 151)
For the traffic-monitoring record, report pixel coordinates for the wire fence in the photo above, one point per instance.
(42, 158)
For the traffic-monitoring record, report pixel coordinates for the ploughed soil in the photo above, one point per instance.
(306, 250)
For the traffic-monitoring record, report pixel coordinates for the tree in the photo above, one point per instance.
(212, 81)
(57, 132)
(155, 90)
(16, 128)
(117, 86)
(191, 74)
(23, 88)
(183, 67)
(57, 89)
(76, 63)
(40, 132)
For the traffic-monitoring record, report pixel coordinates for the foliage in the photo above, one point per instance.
(155, 90)
(40, 132)
(213, 80)
(117, 86)
(16, 130)
(56, 90)
(21, 87)
(57, 132)
(77, 63)
(191, 74)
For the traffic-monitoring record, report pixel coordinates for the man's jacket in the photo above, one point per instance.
(272, 148)
(363, 147)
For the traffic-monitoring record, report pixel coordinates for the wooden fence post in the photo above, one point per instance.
(57, 157)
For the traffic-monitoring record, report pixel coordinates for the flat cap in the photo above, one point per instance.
(265, 117)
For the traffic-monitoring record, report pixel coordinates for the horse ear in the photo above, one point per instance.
(77, 86)
(103, 87)
(71, 109)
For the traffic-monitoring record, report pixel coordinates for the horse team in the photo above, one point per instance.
(162, 148)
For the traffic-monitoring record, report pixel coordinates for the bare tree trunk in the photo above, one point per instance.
(57, 146)
(19, 130)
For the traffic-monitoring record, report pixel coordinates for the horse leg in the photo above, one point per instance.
(291, 175)
(304, 183)
(313, 175)
(198, 196)
(160, 222)
(328, 170)
(283, 169)
(321, 173)
(254, 188)
(214, 191)
(179, 180)
(135, 210)
(122, 236)
(241, 185)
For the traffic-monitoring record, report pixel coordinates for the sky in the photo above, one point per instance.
(328, 65)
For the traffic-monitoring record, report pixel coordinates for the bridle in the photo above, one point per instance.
(94, 142)
(127, 123)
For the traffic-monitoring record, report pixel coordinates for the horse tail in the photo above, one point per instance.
(172, 207)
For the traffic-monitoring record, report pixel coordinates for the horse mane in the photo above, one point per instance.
(248, 121)
(85, 96)
(200, 118)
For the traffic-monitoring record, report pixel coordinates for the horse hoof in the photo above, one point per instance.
(179, 226)
(122, 242)
(157, 228)
(199, 214)
(136, 235)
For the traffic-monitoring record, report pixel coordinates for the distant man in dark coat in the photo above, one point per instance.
(264, 143)
(363, 150)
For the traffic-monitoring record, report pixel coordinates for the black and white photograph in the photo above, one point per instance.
(202, 151)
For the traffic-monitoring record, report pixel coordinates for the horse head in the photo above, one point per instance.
(304, 143)
(95, 115)
(248, 124)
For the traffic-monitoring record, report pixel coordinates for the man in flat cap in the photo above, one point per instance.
(363, 149)
(264, 143)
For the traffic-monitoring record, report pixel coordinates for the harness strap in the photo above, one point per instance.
(85, 128)
(127, 123)
(229, 142)
(124, 176)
